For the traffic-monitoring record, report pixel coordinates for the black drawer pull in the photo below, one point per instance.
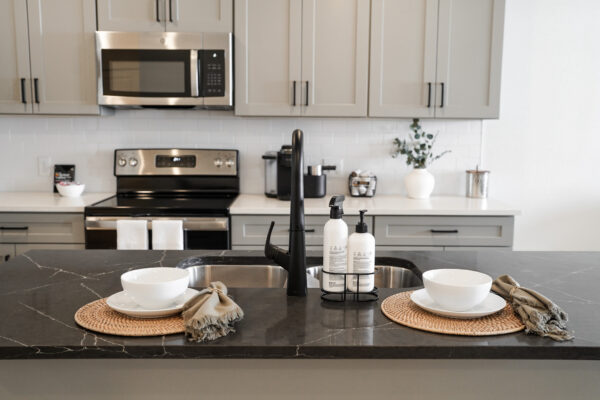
(307, 231)
(7, 257)
(443, 230)
(14, 228)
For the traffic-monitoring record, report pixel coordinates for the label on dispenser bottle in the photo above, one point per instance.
(337, 263)
(363, 263)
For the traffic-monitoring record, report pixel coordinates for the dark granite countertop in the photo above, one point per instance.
(41, 290)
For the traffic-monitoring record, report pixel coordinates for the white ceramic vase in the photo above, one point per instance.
(419, 183)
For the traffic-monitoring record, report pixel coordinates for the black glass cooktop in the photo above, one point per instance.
(131, 206)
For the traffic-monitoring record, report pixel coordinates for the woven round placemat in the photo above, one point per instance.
(97, 316)
(400, 308)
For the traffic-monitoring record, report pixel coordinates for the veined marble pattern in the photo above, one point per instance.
(41, 290)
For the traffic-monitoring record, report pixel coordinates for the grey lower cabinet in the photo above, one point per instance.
(408, 233)
(20, 232)
(249, 232)
(444, 232)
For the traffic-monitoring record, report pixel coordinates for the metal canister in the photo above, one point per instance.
(477, 183)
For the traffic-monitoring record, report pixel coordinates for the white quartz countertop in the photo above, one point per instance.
(47, 201)
(258, 204)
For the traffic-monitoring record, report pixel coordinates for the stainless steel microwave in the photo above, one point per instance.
(165, 69)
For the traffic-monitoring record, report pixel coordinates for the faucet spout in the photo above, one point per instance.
(294, 260)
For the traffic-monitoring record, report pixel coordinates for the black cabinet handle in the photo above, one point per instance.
(7, 257)
(23, 98)
(14, 228)
(443, 230)
(428, 94)
(35, 90)
(307, 230)
(157, 11)
(170, 11)
(442, 102)
(294, 94)
(306, 104)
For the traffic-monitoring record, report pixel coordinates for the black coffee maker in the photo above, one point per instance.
(315, 182)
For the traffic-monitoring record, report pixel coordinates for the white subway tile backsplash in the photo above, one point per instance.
(89, 142)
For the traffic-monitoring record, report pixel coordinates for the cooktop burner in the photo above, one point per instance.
(131, 206)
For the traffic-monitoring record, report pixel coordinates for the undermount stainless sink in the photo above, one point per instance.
(273, 276)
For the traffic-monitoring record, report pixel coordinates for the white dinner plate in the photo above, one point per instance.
(492, 304)
(123, 303)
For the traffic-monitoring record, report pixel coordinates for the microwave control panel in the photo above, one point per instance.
(212, 69)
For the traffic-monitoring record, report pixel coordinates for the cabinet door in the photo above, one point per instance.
(403, 58)
(335, 57)
(200, 16)
(15, 90)
(7, 251)
(268, 35)
(131, 15)
(63, 63)
(469, 58)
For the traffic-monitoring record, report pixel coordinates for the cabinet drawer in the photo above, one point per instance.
(22, 248)
(7, 251)
(444, 231)
(251, 230)
(41, 228)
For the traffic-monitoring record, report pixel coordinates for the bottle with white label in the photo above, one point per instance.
(335, 244)
(361, 257)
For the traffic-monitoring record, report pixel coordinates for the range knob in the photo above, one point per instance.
(229, 163)
(122, 162)
(218, 162)
(133, 162)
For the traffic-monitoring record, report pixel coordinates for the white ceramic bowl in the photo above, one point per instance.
(457, 289)
(155, 288)
(72, 190)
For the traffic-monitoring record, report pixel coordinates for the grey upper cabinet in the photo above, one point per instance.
(403, 58)
(335, 57)
(469, 58)
(15, 84)
(165, 15)
(268, 35)
(63, 61)
(436, 58)
(50, 67)
(131, 15)
(301, 57)
(205, 15)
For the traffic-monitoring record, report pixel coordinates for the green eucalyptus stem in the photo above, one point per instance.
(418, 147)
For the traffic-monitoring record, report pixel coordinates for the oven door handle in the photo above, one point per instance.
(189, 223)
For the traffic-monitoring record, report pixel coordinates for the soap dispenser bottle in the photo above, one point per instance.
(361, 257)
(335, 245)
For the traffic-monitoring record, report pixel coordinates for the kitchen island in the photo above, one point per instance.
(287, 347)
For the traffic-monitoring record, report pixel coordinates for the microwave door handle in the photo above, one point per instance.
(194, 73)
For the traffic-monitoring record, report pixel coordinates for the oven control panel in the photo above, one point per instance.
(137, 162)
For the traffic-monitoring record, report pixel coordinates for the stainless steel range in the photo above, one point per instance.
(196, 186)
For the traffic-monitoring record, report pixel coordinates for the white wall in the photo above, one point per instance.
(544, 151)
(89, 143)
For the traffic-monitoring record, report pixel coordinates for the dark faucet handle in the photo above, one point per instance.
(276, 253)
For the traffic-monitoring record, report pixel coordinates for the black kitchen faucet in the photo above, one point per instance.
(293, 260)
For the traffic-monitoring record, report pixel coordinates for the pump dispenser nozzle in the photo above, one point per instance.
(336, 206)
(362, 227)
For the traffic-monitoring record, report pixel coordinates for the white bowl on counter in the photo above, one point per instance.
(155, 288)
(70, 190)
(457, 289)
